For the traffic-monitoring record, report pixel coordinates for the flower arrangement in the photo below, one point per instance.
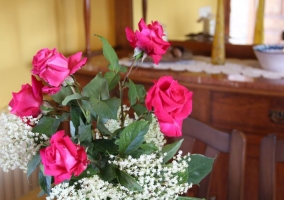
(112, 150)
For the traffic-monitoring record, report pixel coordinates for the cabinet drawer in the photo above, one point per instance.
(247, 112)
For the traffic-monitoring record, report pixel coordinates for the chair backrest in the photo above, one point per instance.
(271, 153)
(215, 142)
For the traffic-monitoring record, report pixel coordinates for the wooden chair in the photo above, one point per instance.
(217, 142)
(271, 153)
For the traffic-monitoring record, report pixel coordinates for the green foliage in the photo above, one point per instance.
(71, 97)
(128, 181)
(105, 146)
(62, 94)
(97, 88)
(171, 150)
(44, 182)
(47, 125)
(89, 172)
(139, 109)
(132, 137)
(106, 109)
(76, 116)
(111, 56)
(112, 79)
(108, 173)
(198, 167)
(85, 133)
(33, 163)
(136, 93)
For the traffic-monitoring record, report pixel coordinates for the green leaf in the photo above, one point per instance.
(44, 182)
(132, 93)
(76, 114)
(135, 92)
(198, 167)
(106, 109)
(112, 79)
(111, 56)
(33, 163)
(97, 88)
(122, 69)
(60, 96)
(141, 92)
(128, 181)
(89, 172)
(149, 146)
(139, 109)
(85, 133)
(117, 134)
(103, 129)
(182, 175)
(171, 150)
(41, 193)
(139, 152)
(47, 125)
(106, 146)
(132, 137)
(72, 97)
(88, 111)
(108, 173)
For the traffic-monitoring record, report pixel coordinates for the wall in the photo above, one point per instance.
(29, 25)
(179, 17)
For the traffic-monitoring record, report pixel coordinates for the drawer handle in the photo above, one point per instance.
(277, 116)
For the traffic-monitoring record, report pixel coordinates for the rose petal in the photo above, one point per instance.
(54, 75)
(171, 129)
(75, 62)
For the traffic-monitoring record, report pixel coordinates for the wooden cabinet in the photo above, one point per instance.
(255, 107)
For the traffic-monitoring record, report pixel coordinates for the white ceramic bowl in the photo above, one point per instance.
(270, 57)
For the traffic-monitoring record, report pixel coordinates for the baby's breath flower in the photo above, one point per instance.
(17, 143)
(154, 134)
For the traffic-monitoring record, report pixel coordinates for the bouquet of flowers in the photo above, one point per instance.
(113, 148)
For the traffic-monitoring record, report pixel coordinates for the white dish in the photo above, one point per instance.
(270, 57)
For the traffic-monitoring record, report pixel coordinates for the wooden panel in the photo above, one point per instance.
(123, 14)
(201, 104)
(280, 181)
(204, 48)
(248, 112)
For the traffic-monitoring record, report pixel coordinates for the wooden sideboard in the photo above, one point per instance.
(224, 104)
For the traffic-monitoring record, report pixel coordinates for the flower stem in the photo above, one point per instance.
(121, 105)
(128, 73)
(121, 87)
(80, 105)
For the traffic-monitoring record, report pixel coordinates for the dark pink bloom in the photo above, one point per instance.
(53, 67)
(28, 100)
(149, 39)
(171, 103)
(63, 158)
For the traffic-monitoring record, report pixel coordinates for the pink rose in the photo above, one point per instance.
(53, 67)
(171, 102)
(28, 100)
(149, 39)
(63, 158)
